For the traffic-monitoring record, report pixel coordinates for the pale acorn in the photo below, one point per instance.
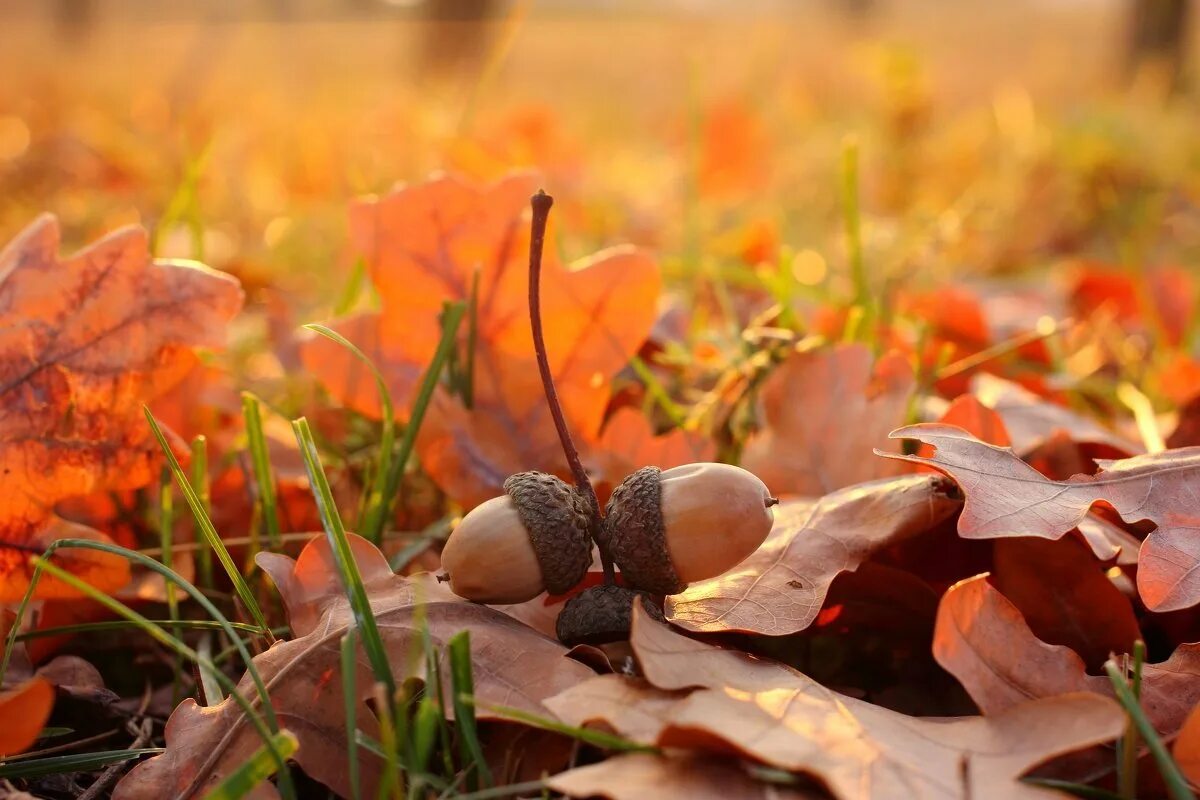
(667, 528)
(511, 548)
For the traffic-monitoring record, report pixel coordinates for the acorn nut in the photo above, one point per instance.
(601, 614)
(666, 528)
(512, 548)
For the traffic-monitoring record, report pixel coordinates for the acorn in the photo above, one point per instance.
(667, 528)
(601, 614)
(511, 548)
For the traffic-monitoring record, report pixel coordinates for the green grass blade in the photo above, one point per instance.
(375, 516)
(1177, 786)
(852, 216)
(161, 636)
(393, 781)
(208, 682)
(256, 769)
(356, 593)
(591, 736)
(353, 288)
(468, 387)
(463, 687)
(452, 316)
(204, 523)
(155, 631)
(199, 482)
(1128, 749)
(124, 624)
(78, 762)
(260, 462)
(350, 698)
(497, 792)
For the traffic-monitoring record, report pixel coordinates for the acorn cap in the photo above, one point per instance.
(635, 535)
(601, 614)
(556, 517)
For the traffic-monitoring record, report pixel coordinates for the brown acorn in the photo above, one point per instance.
(601, 614)
(666, 528)
(532, 539)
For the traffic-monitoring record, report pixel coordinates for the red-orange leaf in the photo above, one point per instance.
(1007, 497)
(430, 243)
(982, 639)
(24, 710)
(85, 342)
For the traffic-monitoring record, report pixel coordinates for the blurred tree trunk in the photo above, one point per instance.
(1157, 47)
(74, 19)
(458, 34)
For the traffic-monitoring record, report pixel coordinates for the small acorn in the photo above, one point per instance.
(666, 528)
(532, 539)
(601, 614)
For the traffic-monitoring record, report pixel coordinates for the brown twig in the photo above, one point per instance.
(110, 775)
(541, 203)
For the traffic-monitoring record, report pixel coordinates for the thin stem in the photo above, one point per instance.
(541, 203)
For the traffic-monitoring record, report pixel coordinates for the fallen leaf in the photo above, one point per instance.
(984, 423)
(595, 316)
(24, 710)
(635, 776)
(91, 339)
(427, 244)
(1007, 497)
(764, 711)
(823, 411)
(781, 587)
(629, 443)
(513, 666)
(1065, 596)
(1186, 749)
(1031, 420)
(982, 639)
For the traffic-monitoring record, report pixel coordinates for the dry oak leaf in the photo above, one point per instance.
(703, 699)
(24, 709)
(982, 639)
(513, 666)
(823, 411)
(1065, 596)
(781, 588)
(1186, 749)
(636, 776)
(1007, 497)
(85, 341)
(1032, 421)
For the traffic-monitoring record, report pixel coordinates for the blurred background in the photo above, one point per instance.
(994, 138)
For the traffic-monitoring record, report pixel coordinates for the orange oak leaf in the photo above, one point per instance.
(24, 709)
(702, 699)
(823, 411)
(1006, 497)
(85, 342)
(433, 242)
(628, 443)
(982, 639)
(595, 317)
(513, 666)
(1187, 747)
(781, 587)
